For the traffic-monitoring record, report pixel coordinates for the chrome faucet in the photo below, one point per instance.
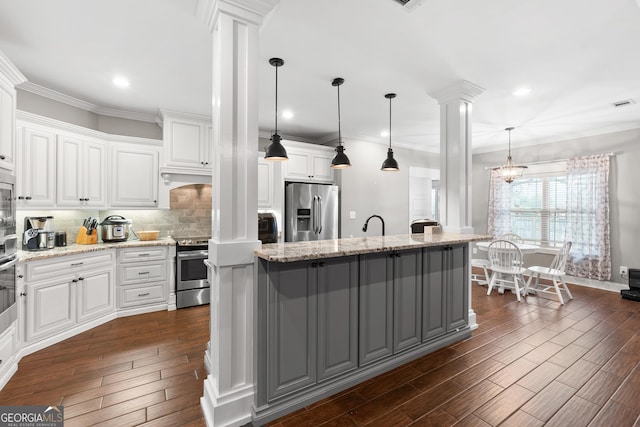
(366, 223)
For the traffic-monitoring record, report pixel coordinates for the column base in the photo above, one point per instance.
(233, 409)
(472, 320)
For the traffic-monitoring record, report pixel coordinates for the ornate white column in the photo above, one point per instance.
(455, 155)
(229, 387)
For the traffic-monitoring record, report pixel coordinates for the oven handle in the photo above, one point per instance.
(9, 264)
(193, 254)
(207, 263)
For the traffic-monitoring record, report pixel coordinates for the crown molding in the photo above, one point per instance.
(84, 105)
(10, 71)
(164, 112)
(247, 10)
(24, 117)
(460, 90)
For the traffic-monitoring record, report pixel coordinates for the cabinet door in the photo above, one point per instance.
(434, 294)
(291, 325)
(297, 167)
(458, 287)
(376, 307)
(35, 182)
(95, 294)
(185, 143)
(337, 316)
(69, 172)
(94, 175)
(7, 126)
(407, 301)
(321, 167)
(50, 307)
(135, 177)
(265, 183)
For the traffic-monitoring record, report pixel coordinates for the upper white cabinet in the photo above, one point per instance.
(265, 182)
(35, 172)
(187, 141)
(81, 173)
(9, 78)
(134, 179)
(308, 164)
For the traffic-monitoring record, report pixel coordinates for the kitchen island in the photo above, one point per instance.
(331, 314)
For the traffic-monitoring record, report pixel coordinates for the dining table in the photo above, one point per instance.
(525, 248)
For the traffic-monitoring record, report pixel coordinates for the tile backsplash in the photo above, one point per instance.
(189, 214)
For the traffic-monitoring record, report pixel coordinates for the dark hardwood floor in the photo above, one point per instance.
(528, 364)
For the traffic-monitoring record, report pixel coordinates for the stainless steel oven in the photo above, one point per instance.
(192, 285)
(8, 251)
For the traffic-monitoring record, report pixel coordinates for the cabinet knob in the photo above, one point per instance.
(155, 201)
(20, 276)
(20, 197)
(86, 200)
(23, 294)
(206, 163)
(80, 278)
(2, 157)
(28, 197)
(75, 280)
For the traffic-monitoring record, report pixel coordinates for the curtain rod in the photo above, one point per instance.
(542, 162)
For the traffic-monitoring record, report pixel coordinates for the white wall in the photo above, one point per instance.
(624, 186)
(367, 190)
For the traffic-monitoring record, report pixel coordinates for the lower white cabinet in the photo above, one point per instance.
(143, 276)
(62, 293)
(8, 346)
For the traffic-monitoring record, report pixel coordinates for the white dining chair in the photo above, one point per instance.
(480, 278)
(554, 272)
(512, 237)
(506, 267)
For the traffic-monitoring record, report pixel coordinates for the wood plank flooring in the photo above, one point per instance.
(528, 364)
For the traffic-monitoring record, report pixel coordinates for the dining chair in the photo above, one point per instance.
(480, 278)
(512, 237)
(506, 267)
(554, 272)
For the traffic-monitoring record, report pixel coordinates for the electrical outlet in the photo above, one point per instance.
(475, 251)
(624, 270)
(352, 214)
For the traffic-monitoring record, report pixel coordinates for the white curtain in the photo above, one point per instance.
(499, 217)
(588, 217)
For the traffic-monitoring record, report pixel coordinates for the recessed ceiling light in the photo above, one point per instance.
(384, 133)
(287, 114)
(120, 81)
(523, 91)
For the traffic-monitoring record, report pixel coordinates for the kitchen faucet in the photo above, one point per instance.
(366, 223)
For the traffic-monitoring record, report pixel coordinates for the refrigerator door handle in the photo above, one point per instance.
(313, 213)
(319, 214)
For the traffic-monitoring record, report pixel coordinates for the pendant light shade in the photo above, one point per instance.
(509, 171)
(275, 150)
(340, 161)
(390, 164)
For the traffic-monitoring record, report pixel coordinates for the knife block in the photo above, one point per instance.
(87, 239)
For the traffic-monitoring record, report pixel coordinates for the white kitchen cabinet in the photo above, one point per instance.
(66, 292)
(8, 348)
(308, 165)
(134, 176)
(81, 173)
(10, 77)
(143, 277)
(7, 125)
(187, 141)
(35, 171)
(265, 182)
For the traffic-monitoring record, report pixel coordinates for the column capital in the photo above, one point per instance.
(463, 89)
(249, 10)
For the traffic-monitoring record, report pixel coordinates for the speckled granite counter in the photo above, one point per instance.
(300, 251)
(73, 249)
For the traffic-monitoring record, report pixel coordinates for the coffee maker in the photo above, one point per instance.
(38, 233)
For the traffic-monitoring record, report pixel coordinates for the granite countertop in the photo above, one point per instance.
(74, 248)
(300, 251)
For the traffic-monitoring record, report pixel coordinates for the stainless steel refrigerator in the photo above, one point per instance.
(311, 212)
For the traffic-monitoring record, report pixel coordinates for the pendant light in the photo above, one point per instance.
(275, 150)
(390, 164)
(340, 161)
(509, 171)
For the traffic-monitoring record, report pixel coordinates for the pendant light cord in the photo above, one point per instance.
(276, 130)
(390, 121)
(339, 126)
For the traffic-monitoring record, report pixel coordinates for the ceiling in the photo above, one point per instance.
(577, 57)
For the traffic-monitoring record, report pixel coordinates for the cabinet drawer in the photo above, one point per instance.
(7, 346)
(146, 272)
(130, 296)
(37, 270)
(153, 253)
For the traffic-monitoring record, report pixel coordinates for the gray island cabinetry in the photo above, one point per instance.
(331, 314)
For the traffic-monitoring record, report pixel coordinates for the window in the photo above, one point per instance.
(534, 207)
